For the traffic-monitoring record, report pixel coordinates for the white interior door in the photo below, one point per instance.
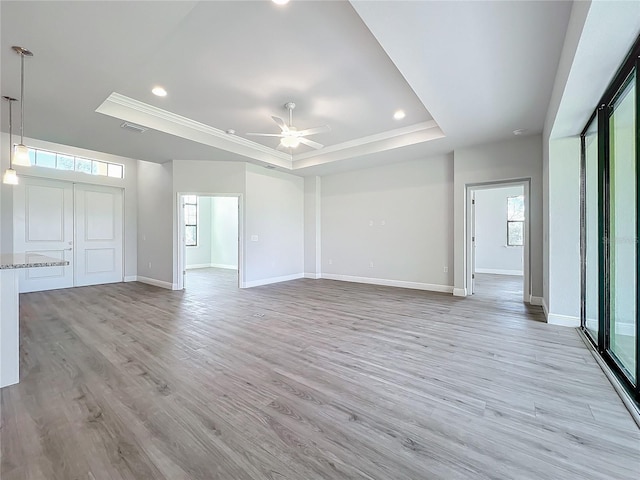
(98, 253)
(43, 224)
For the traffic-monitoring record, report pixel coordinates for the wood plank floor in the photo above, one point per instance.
(309, 379)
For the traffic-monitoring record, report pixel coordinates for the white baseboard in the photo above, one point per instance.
(390, 283)
(131, 278)
(545, 309)
(157, 283)
(627, 329)
(497, 271)
(268, 281)
(220, 265)
(563, 320)
(198, 265)
(539, 301)
(314, 276)
(459, 292)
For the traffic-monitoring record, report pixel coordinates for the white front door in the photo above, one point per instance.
(43, 224)
(98, 254)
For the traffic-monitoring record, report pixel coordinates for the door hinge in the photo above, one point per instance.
(473, 201)
(473, 239)
(473, 276)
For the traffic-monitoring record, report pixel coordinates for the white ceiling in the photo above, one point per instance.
(464, 72)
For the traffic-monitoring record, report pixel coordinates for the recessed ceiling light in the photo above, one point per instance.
(280, 2)
(399, 115)
(230, 131)
(520, 131)
(159, 91)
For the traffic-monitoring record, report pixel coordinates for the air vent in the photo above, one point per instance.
(270, 167)
(132, 127)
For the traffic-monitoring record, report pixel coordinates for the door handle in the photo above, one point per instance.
(69, 249)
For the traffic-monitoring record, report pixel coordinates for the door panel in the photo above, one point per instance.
(98, 235)
(43, 225)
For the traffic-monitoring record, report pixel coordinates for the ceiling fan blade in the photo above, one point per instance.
(281, 123)
(266, 134)
(310, 143)
(314, 130)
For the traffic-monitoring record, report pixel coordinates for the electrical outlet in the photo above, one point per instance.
(254, 238)
(149, 265)
(371, 223)
(330, 262)
(371, 264)
(383, 222)
(446, 269)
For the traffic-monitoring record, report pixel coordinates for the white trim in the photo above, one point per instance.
(268, 281)
(377, 137)
(497, 271)
(157, 283)
(545, 309)
(459, 292)
(221, 265)
(563, 320)
(131, 278)
(390, 283)
(197, 265)
(539, 301)
(627, 329)
(314, 276)
(129, 109)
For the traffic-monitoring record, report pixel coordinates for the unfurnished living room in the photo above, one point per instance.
(289, 239)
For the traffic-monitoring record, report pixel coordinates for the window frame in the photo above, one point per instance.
(94, 171)
(510, 222)
(194, 225)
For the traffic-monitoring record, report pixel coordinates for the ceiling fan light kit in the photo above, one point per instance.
(290, 136)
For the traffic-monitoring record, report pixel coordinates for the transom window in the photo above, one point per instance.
(62, 161)
(191, 220)
(515, 221)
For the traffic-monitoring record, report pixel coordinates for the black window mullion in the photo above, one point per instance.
(637, 74)
(603, 227)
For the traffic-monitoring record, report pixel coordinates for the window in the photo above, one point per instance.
(610, 225)
(61, 161)
(515, 221)
(191, 220)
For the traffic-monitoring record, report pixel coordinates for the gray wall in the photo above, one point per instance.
(155, 222)
(398, 217)
(492, 253)
(518, 158)
(275, 215)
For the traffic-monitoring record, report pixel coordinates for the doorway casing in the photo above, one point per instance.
(469, 229)
(180, 259)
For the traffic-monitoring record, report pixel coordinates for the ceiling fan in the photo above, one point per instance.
(290, 136)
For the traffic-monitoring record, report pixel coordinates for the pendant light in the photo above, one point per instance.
(22, 152)
(10, 177)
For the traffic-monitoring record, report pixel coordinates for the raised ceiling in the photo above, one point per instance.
(482, 69)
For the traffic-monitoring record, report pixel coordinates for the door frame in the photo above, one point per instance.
(180, 261)
(73, 183)
(468, 266)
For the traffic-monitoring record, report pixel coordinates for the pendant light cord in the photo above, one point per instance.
(21, 98)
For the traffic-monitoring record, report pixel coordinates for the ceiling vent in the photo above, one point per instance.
(132, 127)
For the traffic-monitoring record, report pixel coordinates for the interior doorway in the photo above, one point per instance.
(497, 266)
(209, 237)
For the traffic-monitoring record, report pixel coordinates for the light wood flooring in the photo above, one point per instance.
(309, 379)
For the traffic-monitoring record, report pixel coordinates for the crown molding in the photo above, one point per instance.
(131, 110)
(126, 108)
(358, 142)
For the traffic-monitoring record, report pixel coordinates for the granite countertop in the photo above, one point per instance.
(20, 260)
